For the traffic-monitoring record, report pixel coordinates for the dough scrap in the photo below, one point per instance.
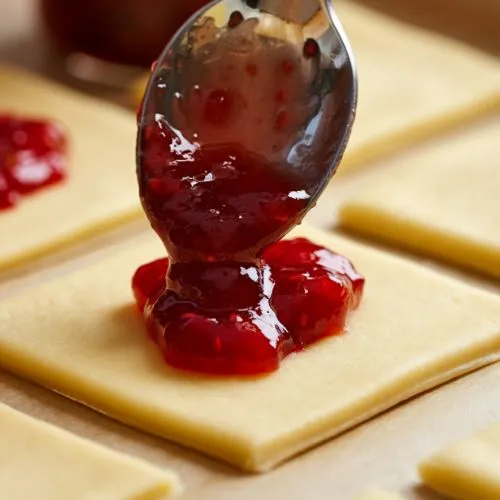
(414, 84)
(101, 189)
(467, 470)
(415, 329)
(43, 462)
(442, 201)
(379, 495)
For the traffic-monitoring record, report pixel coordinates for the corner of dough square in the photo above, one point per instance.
(100, 191)
(379, 495)
(413, 84)
(40, 461)
(442, 201)
(82, 336)
(469, 469)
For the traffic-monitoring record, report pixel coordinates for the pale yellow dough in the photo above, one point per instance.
(40, 461)
(379, 495)
(101, 189)
(81, 335)
(413, 84)
(442, 201)
(467, 470)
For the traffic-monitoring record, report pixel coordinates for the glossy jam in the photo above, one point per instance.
(215, 203)
(247, 318)
(32, 156)
(121, 31)
(220, 191)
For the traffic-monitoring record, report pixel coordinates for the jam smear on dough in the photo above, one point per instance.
(32, 156)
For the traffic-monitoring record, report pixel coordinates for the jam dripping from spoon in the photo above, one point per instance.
(217, 187)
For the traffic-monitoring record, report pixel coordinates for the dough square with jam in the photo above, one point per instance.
(442, 201)
(469, 469)
(100, 190)
(82, 336)
(40, 461)
(413, 84)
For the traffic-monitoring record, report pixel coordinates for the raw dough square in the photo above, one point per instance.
(413, 84)
(40, 461)
(82, 336)
(468, 470)
(101, 189)
(442, 201)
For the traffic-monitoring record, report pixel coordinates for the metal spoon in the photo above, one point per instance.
(323, 95)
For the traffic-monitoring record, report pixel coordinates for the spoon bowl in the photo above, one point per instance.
(328, 90)
(275, 79)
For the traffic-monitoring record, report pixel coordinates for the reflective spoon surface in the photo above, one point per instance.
(279, 79)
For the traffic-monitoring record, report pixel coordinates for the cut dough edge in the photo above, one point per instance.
(468, 469)
(405, 204)
(372, 151)
(42, 452)
(253, 452)
(383, 225)
(67, 242)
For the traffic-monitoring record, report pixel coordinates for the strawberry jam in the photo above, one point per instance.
(221, 182)
(32, 156)
(244, 319)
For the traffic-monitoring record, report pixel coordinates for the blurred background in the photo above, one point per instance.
(474, 21)
(51, 35)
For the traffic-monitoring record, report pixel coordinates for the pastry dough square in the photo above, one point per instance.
(413, 84)
(441, 201)
(82, 336)
(469, 469)
(101, 188)
(40, 461)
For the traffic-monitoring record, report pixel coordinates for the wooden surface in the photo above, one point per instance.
(383, 452)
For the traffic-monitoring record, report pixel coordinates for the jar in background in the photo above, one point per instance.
(122, 32)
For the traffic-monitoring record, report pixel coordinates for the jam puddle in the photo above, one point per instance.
(300, 293)
(32, 156)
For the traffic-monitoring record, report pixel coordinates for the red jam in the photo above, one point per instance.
(32, 156)
(216, 184)
(301, 293)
